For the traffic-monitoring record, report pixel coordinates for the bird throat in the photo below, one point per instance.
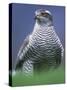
(43, 26)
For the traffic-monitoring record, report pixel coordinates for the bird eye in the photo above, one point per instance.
(42, 13)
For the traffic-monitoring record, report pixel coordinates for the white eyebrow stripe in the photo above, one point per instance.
(48, 12)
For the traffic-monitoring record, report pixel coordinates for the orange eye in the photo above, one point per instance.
(42, 13)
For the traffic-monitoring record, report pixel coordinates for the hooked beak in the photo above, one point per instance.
(36, 17)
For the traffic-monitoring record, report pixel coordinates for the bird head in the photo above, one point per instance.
(43, 16)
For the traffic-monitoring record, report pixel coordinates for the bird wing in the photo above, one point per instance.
(24, 44)
(20, 53)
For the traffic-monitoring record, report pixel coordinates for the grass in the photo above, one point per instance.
(56, 76)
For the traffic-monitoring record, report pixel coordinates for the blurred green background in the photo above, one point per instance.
(56, 76)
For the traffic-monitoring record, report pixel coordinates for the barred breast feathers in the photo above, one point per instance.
(45, 34)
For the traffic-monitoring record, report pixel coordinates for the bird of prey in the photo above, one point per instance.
(42, 49)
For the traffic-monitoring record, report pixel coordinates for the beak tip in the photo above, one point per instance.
(35, 17)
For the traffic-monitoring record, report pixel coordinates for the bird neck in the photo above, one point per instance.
(43, 25)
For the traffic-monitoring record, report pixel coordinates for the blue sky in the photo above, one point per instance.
(23, 23)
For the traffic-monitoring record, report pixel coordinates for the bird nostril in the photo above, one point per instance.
(35, 17)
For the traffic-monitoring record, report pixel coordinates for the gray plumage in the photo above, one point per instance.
(41, 49)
